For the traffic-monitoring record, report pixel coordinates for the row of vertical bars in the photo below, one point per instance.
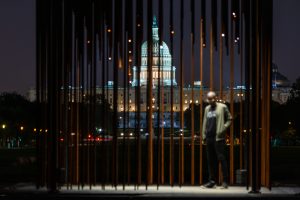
(82, 45)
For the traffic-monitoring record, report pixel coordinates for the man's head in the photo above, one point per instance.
(211, 98)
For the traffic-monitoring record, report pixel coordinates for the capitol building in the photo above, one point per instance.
(160, 57)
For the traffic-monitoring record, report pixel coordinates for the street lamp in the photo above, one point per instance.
(3, 126)
(18, 138)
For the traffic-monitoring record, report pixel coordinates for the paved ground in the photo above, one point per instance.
(26, 191)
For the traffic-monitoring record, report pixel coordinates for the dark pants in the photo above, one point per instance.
(216, 152)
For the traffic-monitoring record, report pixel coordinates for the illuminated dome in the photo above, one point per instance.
(165, 61)
(278, 80)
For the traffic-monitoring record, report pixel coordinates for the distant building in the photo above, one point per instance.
(281, 86)
(279, 80)
(163, 58)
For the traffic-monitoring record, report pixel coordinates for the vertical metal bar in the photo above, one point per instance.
(212, 42)
(269, 36)
(149, 94)
(231, 168)
(160, 98)
(202, 44)
(254, 188)
(258, 94)
(138, 34)
(125, 71)
(221, 67)
(116, 32)
(241, 94)
(181, 154)
(128, 59)
(172, 99)
(224, 34)
(193, 100)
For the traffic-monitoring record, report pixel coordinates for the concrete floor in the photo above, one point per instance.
(165, 192)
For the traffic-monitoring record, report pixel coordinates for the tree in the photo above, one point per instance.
(292, 107)
(17, 117)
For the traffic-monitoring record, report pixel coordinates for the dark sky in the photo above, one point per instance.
(17, 45)
(17, 42)
(286, 41)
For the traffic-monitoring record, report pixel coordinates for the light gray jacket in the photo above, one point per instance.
(223, 121)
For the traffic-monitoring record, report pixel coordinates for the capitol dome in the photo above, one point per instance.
(165, 61)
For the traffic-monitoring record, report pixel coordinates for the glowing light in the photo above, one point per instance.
(122, 134)
(139, 25)
(34, 129)
(109, 58)
(21, 128)
(3, 126)
(223, 34)
(131, 134)
(88, 41)
(109, 30)
(129, 51)
(129, 40)
(120, 63)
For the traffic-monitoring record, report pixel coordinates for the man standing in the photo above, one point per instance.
(216, 120)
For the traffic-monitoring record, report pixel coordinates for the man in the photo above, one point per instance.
(216, 121)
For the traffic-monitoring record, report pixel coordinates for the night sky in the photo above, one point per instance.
(17, 42)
